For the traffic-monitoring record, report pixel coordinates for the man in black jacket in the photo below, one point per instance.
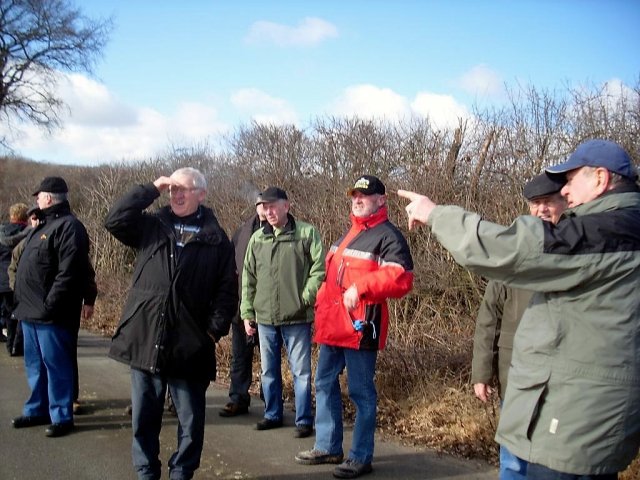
(53, 266)
(242, 345)
(181, 301)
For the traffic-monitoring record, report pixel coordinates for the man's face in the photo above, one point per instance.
(184, 198)
(365, 205)
(581, 186)
(43, 200)
(276, 212)
(260, 211)
(548, 207)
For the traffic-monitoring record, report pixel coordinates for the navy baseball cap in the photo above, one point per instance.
(598, 153)
(543, 185)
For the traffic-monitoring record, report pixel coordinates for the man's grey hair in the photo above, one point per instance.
(57, 197)
(196, 176)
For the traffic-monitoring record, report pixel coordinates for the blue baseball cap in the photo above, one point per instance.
(598, 153)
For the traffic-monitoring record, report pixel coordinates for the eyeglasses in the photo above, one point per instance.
(174, 189)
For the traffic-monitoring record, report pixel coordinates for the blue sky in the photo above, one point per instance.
(185, 73)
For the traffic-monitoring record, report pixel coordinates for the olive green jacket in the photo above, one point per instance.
(282, 274)
(573, 398)
(498, 318)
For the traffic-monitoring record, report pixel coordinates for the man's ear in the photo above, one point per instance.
(603, 180)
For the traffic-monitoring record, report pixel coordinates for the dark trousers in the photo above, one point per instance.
(538, 472)
(241, 364)
(147, 403)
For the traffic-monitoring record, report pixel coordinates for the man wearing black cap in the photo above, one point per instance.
(369, 264)
(242, 346)
(49, 291)
(572, 403)
(499, 316)
(282, 271)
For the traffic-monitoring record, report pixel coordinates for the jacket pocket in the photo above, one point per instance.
(334, 325)
(524, 396)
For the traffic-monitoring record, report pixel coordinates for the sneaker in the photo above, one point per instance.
(350, 468)
(268, 424)
(317, 457)
(303, 431)
(233, 409)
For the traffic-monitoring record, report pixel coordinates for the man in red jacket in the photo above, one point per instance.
(366, 266)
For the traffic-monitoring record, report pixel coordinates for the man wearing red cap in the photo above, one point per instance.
(369, 264)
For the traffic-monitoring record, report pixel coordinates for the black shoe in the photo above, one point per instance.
(25, 421)
(267, 424)
(58, 429)
(233, 409)
(303, 431)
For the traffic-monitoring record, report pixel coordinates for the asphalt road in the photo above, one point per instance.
(99, 447)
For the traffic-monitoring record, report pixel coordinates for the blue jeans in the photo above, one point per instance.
(539, 472)
(297, 341)
(511, 467)
(48, 362)
(148, 394)
(361, 366)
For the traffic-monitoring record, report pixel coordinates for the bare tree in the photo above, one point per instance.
(38, 40)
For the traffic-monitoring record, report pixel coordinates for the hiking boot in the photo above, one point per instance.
(233, 409)
(350, 468)
(25, 421)
(58, 429)
(268, 424)
(317, 457)
(303, 431)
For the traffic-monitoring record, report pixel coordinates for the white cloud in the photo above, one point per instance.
(369, 101)
(481, 80)
(309, 32)
(264, 108)
(101, 128)
(443, 111)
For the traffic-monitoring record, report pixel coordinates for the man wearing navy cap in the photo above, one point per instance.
(49, 289)
(572, 405)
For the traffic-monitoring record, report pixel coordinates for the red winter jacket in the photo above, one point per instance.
(373, 256)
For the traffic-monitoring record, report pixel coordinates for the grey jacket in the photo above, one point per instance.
(573, 398)
(498, 318)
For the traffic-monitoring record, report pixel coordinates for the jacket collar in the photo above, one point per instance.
(57, 210)
(371, 221)
(289, 227)
(210, 231)
(613, 200)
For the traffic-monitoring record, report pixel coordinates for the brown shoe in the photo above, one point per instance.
(233, 410)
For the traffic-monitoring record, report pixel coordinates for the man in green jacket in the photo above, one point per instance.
(283, 270)
(572, 405)
(499, 316)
